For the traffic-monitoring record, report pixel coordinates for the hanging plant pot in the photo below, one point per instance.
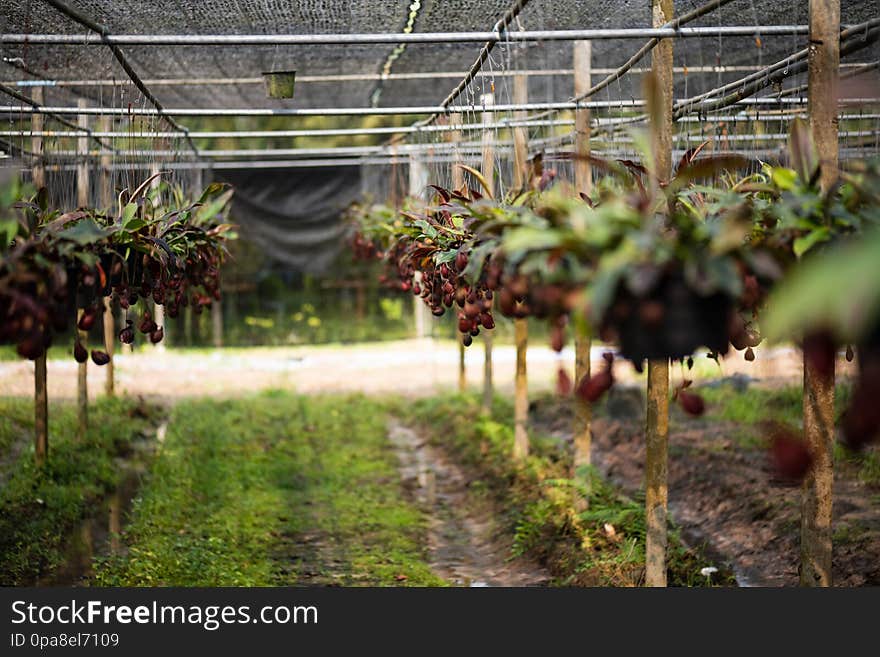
(670, 321)
(279, 84)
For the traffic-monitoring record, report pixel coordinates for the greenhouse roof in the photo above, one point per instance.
(352, 73)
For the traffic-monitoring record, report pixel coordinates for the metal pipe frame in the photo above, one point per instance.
(845, 153)
(391, 111)
(387, 130)
(474, 147)
(90, 39)
(375, 77)
(324, 132)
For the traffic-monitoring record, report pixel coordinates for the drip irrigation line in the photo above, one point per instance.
(105, 35)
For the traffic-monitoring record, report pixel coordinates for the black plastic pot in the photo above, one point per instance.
(671, 321)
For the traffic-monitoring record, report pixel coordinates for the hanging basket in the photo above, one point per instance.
(279, 84)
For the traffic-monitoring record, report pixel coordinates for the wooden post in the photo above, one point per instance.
(105, 190)
(520, 135)
(158, 308)
(418, 182)
(217, 324)
(488, 171)
(454, 136)
(583, 182)
(198, 183)
(520, 326)
(657, 420)
(41, 395)
(188, 326)
(82, 201)
(816, 496)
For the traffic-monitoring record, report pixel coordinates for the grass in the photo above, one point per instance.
(38, 507)
(751, 407)
(273, 489)
(602, 544)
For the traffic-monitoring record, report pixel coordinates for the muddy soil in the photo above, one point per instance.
(723, 492)
(465, 544)
(99, 533)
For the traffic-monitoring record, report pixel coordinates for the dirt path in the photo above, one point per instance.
(464, 542)
(420, 367)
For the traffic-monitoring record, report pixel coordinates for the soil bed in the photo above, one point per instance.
(723, 492)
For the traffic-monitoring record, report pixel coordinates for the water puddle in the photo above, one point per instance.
(99, 533)
(465, 545)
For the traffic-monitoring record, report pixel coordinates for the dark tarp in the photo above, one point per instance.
(294, 215)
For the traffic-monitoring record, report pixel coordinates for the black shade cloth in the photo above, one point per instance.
(294, 215)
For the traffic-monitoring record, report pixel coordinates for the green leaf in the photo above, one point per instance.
(838, 291)
(785, 179)
(85, 232)
(806, 242)
(427, 229)
(531, 239)
(446, 256)
(128, 213)
(9, 229)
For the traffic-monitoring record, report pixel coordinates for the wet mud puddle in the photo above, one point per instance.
(465, 545)
(99, 533)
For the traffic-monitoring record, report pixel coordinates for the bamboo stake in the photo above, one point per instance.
(657, 420)
(488, 172)
(82, 201)
(41, 396)
(454, 136)
(583, 180)
(817, 493)
(520, 326)
(106, 201)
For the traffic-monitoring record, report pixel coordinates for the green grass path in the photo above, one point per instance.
(273, 489)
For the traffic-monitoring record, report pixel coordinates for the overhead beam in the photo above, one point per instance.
(90, 39)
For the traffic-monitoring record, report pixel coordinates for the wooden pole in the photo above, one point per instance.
(82, 201)
(41, 395)
(583, 181)
(520, 136)
(454, 137)
(657, 420)
(488, 172)
(198, 183)
(105, 189)
(158, 308)
(818, 401)
(520, 326)
(217, 324)
(418, 182)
